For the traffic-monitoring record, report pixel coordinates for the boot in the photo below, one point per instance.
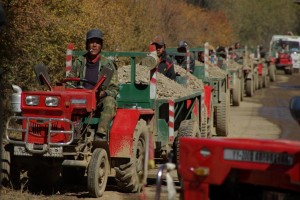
(100, 134)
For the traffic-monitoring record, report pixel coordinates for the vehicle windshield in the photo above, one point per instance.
(294, 46)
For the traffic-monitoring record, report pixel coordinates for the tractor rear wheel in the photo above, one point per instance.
(97, 175)
(265, 81)
(236, 93)
(242, 85)
(249, 88)
(272, 73)
(222, 118)
(130, 176)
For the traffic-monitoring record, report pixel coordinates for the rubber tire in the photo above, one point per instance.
(10, 176)
(265, 81)
(5, 168)
(187, 128)
(97, 173)
(242, 85)
(256, 82)
(249, 88)
(130, 176)
(272, 73)
(222, 118)
(236, 93)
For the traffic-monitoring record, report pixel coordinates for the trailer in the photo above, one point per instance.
(216, 80)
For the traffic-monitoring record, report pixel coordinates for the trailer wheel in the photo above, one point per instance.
(236, 93)
(10, 173)
(249, 88)
(272, 73)
(187, 128)
(130, 176)
(97, 175)
(222, 118)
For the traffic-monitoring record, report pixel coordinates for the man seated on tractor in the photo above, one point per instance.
(182, 60)
(283, 48)
(165, 65)
(89, 67)
(201, 56)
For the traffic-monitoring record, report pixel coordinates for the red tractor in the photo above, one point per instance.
(53, 136)
(284, 62)
(236, 168)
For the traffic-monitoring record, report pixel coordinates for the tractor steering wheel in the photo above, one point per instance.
(66, 80)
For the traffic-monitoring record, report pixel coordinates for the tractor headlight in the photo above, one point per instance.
(51, 101)
(32, 100)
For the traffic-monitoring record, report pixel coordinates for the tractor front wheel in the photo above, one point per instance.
(10, 173)
(97, 175)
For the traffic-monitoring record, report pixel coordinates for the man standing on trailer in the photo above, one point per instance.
(165, 65)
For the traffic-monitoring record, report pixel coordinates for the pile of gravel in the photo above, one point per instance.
(232, 65)
(215, 72)
(194, 83)
(166, 88)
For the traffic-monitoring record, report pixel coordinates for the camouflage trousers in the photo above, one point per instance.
(107, 107)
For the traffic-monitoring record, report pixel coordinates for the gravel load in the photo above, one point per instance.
(232, 65)
(166, 88)
(194, 82)
(215, 72)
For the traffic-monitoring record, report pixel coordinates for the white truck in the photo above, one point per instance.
(293, 44)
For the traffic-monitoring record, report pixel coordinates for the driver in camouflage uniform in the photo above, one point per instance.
(89, 67)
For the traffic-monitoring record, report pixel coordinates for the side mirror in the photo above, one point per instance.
(42, 75)
(295, 108)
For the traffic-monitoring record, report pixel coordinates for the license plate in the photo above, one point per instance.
(258, 156)
(52, 152)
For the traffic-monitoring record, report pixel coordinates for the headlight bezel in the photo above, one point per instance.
(51, 101)
(32, 100)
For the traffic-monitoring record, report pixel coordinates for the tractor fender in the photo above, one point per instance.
(208, 98)
(122, 133)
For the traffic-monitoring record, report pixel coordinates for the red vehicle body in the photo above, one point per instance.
(239, 168)
(284, 62)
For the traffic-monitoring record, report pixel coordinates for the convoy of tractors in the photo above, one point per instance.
(51, 135)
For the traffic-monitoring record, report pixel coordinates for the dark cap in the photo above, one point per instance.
(158, 39)
(94, 33)
(182, 44)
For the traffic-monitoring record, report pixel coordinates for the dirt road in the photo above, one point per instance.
(266, 115)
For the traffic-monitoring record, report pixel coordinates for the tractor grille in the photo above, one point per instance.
(41, 129)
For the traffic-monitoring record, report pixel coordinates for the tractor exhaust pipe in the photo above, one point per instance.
(16, 99)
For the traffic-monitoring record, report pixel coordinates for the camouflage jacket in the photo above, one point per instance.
(79, 69)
